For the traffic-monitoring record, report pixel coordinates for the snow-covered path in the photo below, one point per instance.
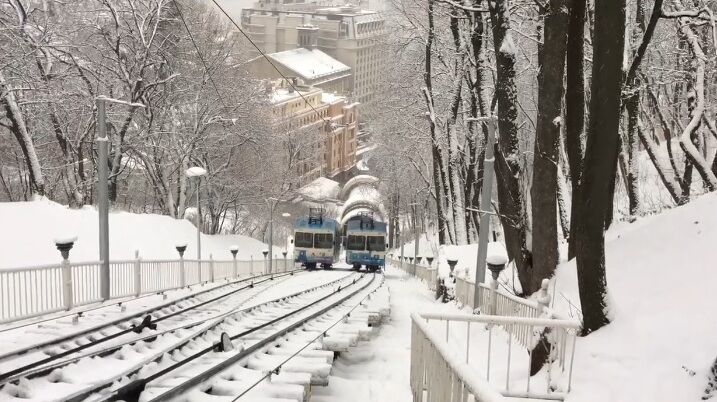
(378, 370)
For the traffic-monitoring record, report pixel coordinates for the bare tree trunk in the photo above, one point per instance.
(435, 150)
(691, 152)
(507, 167)
(600, 161)
(575, 107)
(670, 184)
(19, 130)
(544, 190)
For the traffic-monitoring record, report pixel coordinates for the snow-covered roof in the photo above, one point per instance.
(321, 188)
(309, 63)
(331, 98)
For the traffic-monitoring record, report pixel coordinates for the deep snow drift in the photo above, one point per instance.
(29, 229)
(662, 280)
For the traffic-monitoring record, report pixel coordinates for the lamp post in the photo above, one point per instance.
(485, 205)
(197, 172)
(103, 202)
(416, 235)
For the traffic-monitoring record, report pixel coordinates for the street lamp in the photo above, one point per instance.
(197, 172)
(103, 202)
(413, 206)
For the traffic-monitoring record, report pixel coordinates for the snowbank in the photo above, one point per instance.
(30, 228)
(661, 277)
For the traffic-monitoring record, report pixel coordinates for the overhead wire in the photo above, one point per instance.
(199, 53)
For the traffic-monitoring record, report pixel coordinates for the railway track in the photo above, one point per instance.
(294, 339)
(74, 376)
(64, 339)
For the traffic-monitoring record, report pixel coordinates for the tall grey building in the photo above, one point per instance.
(348, 34)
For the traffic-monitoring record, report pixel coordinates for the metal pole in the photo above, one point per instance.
(416, 236)
(199, 222)
(103, 199)
(400, 237)
(485, 205)
(271, 236)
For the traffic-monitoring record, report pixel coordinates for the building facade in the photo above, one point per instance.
(320, 127)
(348, 34)
(312, 66)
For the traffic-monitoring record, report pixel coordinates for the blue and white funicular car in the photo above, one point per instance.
(365, 242)
(315, 240)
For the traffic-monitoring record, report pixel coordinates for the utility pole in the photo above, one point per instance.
(103, 201)
(272, 205)
(485, 206)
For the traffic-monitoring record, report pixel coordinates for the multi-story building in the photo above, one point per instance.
(312, 66)
(348, 34)
(321, 126)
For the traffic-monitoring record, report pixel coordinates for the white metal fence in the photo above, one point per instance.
(423, 271)
(33, 291)
(442, 369)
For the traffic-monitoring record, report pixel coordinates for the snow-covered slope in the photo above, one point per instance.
(27, 231)
(662, 279)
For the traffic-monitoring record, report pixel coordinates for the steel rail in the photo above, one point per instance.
(147, 322)
(132, 391)
(81, 395)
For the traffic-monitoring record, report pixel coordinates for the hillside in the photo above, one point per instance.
(662, 279)
(28, 230)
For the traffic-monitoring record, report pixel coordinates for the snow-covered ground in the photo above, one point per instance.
(662, 341)
(30, 228)
(661, 277)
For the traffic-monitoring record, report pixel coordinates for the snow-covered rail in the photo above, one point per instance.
(446, 359)
(64, 337)
(194, 369)
(82, 375)
(33, 291)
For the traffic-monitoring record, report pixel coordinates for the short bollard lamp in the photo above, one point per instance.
(265, 252)
(234, 250)
(419, 259)
(430, 260)
(284, 253)
(496, 264)
(65, 245)
(410, 259)
(452, 262)
(181, 248)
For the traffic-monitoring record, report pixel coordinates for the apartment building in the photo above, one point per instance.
(321, 126)
(348, 34)
(314, 68)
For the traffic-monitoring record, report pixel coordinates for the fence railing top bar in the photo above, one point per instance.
(473, 380)
(502, 320)
(82, 263)
(33, 268)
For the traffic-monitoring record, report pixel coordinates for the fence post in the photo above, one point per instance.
(211, 268)
(544, 296)
(137, 274)
(64, 246)
(182, 275)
